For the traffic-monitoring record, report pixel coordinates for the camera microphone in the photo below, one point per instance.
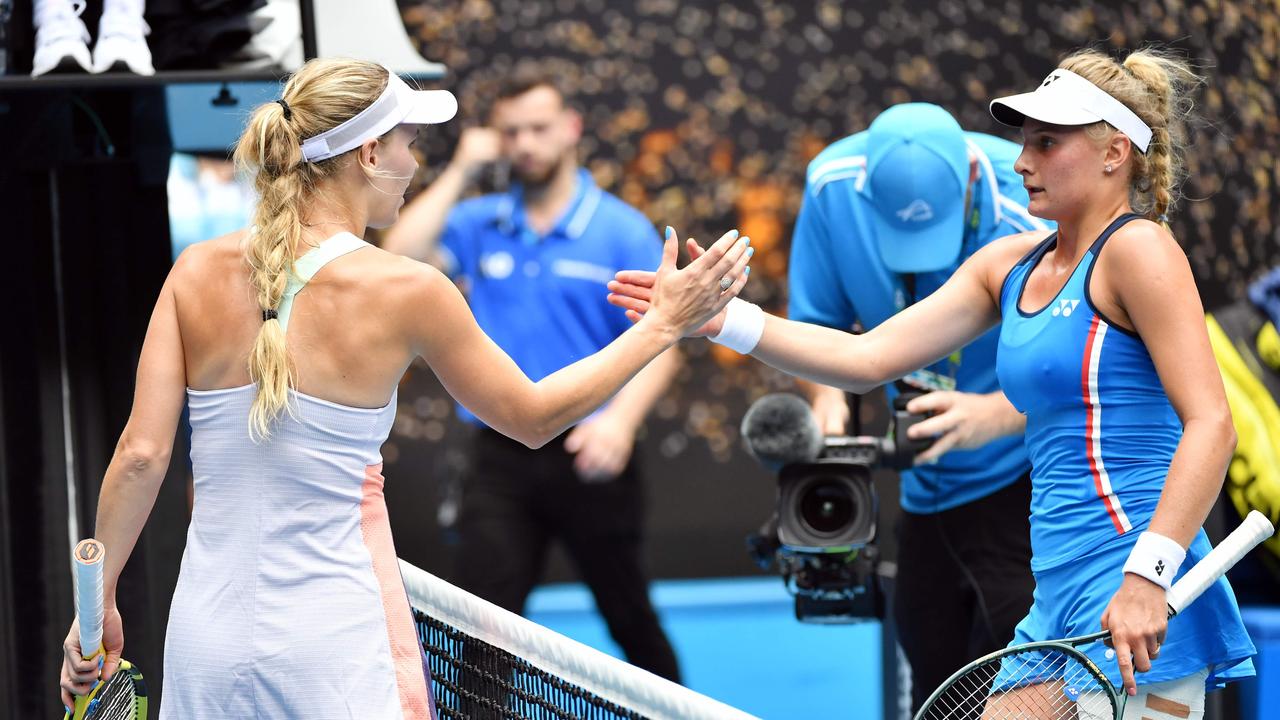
(780, 429)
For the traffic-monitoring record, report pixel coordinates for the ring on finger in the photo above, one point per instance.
(726, 282)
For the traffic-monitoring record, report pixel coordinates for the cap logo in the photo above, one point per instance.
(1074, 100)
(917, 211)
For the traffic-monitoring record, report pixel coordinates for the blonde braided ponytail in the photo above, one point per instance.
(320, 96)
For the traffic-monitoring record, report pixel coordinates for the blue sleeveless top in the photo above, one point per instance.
(1100, 429)
(1101, 434)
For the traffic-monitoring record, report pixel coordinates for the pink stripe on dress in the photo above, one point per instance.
(406, 654)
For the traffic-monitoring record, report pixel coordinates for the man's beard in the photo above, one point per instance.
(538, 180)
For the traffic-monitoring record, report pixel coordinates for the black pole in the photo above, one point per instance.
(307, 15)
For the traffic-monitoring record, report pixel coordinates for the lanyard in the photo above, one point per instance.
(924, 379)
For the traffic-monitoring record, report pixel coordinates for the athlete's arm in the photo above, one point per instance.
(966, 306)
(1148, 275)
(141, 457)
(133, 476)
(961, 310)
(488, 383)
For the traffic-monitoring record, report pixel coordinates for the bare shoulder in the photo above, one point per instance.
(1012, 248)
(397, 276)
(210, 256)
(995, 259)
(412, 300)
(1143, 249)
(393, 284)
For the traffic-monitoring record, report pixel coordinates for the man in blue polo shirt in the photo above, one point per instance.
(888, 215)
(534, 262)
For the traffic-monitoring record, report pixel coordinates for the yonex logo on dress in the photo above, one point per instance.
(917, 211)
(1159, 567)
(1065, 308)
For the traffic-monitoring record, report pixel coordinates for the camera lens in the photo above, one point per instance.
(827, 506)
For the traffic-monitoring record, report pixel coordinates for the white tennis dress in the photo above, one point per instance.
(290, 601)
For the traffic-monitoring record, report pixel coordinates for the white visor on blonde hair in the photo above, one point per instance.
(398, 104)
(1065, 98)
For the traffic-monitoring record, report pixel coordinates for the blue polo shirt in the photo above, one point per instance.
(837, 277)
(542, 298)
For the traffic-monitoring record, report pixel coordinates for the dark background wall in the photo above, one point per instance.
(705, 115)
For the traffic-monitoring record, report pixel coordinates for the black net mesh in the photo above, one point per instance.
(475, 680)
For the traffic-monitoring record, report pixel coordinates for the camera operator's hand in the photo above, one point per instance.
(830, 408)
(961, 420)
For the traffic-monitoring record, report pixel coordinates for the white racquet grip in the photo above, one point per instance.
(88, 557)
(743, 326)
(1156, 558)
(1252, 531)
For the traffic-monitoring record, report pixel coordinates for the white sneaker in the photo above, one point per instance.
(61, 37)
(122, 41)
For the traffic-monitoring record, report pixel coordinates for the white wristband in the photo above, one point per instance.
(743, 326)
(1156, 558)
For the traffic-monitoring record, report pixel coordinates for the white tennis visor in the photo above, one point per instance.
(398, 104)
(1065, 98)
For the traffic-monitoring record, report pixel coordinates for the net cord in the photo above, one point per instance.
(594, 671)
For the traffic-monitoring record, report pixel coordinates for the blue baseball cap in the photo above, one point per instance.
(917, 174)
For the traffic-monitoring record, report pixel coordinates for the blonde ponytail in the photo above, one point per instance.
(320, 96)
(1157, 87)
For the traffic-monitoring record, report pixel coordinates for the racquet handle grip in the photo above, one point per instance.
(88, 557)
(1252, 531)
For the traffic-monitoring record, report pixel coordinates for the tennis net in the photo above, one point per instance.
(488, 663)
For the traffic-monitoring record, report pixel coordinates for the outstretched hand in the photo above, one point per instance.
(635, 290)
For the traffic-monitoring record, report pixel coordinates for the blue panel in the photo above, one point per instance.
(198, 125)
(1260, 696)
(738, 641)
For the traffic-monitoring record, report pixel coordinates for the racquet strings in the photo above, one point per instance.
(1032, 684)
(118, 700)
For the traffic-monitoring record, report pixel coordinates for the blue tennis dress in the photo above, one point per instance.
(1101, 434)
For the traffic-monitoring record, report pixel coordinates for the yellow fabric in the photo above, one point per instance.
(1253, 479)
(1269, 346)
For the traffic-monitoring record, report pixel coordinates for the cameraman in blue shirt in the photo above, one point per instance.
(534, 262)
(888, 215)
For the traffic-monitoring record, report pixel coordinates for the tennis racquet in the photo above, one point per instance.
(1055, 679)
(124, 697)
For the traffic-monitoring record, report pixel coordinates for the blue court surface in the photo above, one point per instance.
(739, 642)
